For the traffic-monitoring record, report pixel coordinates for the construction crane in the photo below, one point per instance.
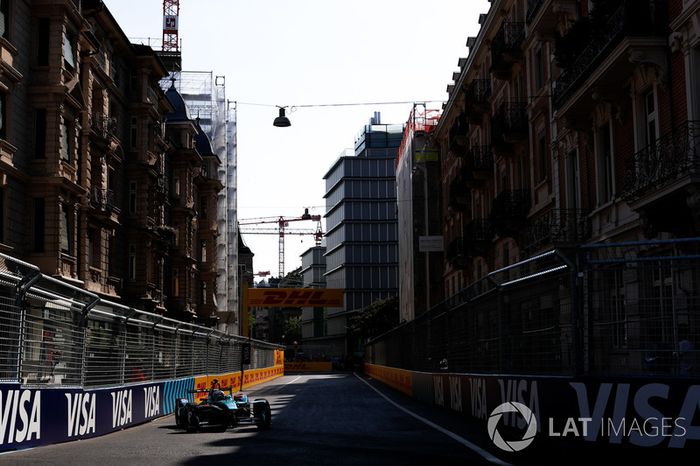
(282, 231)
(171, 18)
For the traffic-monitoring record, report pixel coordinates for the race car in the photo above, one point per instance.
(222, 411)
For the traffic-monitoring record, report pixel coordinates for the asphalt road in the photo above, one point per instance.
(334, 419)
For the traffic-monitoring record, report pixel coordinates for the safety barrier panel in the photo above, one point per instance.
(74, 366)
(627, 412)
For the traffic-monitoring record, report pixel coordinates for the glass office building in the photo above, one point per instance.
(361, 238)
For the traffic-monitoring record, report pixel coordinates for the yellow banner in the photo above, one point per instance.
(295, 297)
(400, 379)
(307, 366)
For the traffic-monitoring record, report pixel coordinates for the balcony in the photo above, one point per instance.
(456, 254)
(459, 196)
(478, 235)
(103, 199)
(559, 227)
(506, 49)
(477, 100)
(509, 126)
(457, 138)
(509, 212)
(657, 177)
(544, 16)
(602, 51)
(103, 126)
(478, 166)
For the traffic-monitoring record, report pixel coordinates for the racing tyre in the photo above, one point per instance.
(192, 422)
(264, 417)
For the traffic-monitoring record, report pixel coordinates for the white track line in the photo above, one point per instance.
(480, 451)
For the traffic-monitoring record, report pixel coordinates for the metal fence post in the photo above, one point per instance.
(177, 351)
(83, 325)
(28, 280)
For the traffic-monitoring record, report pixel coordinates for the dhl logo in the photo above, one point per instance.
(286, 297)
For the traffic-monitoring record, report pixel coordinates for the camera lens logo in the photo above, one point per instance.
(513, 445)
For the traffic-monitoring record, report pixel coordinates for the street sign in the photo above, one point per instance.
(430, 243)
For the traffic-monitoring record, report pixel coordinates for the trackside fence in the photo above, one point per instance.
(53, 334)
(624, 309)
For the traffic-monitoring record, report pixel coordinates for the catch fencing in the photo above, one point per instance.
(56, 334)
(602, 309)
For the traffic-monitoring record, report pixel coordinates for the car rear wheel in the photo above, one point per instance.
(192, 422)
(264, 417)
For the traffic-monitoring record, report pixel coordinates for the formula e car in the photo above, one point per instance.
(222, 411)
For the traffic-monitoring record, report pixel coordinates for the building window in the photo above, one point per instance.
(203, 250)
(133, 133)
(606, 187)
(132, 197)
(39, 222)
(68, 55)
(65, 142)
(5, 18)
(65, 230)
(111, 256)
(176, 187)
(176, 284)
(94, 248)
(204, 293)
(3, 116)
(539, 68)
(40, 133)
(203, 207)
(542, 157)
(572, 180)
(43, 39)
(132, 263)
(650, 118)
(2, 214)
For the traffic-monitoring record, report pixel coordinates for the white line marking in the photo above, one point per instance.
(483, 453)
(291, 381)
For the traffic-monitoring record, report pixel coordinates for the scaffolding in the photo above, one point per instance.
(205, 96)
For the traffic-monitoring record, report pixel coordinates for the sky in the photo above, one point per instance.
(310, 52)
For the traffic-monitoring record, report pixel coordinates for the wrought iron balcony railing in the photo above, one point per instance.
(632, 18)
(509, 211)
(460, 196)
(103, 124)
(509, 124)
(559, 227)
(476, 99)
(458, 135)
(673, 156)
(479, 92)
(478, 234)
(478, 166)
(455, 252)
(103, 199)
(506, 48)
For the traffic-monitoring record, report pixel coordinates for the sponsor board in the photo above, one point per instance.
(30, 417)
(308, 366)
(625, 411)
(295, 297)
(399, 379)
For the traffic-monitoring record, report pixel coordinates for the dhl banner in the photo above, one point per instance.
(295, 297)
(308, 366)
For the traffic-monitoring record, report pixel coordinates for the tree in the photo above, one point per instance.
(375, 319)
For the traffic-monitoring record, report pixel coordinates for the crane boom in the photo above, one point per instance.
(281, 230)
